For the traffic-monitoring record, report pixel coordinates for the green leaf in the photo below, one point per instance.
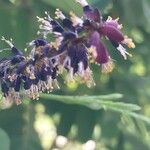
(139, 116)
(98, 102)
(4, 140)
(81, 100)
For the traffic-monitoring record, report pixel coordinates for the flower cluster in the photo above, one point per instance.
(77, 43)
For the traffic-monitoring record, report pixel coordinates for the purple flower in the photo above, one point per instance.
(77, 43)
(99, 52)
(109, 28)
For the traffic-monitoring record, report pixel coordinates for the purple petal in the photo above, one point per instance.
(112, 33)
(101, 51)
(113, 23)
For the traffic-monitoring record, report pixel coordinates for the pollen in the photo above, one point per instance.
(107, 67)
(59, 14)
(129, 42)
(92, 51)
(75, 19)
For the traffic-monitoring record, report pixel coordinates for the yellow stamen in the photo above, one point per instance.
(18, 101)
(88, 78)
(131, 45)
(107, 67)
(75, 19)
(117, 19)
(120, 26)
(56, 43)
(92, 51)
(39, 19)
(32, 76)
(109, 18)
(59, 14)
(129, 42)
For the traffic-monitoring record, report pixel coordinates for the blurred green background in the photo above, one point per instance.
(35, 125)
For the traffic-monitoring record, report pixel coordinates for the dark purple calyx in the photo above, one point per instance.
(92, 14)
(67, 23)
(4, 87)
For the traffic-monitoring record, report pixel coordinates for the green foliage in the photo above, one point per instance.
(99, 102)
(94, 102)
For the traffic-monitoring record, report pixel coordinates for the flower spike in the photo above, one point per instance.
(76, 43)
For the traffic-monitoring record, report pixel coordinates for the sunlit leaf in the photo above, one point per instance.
(97, 102)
